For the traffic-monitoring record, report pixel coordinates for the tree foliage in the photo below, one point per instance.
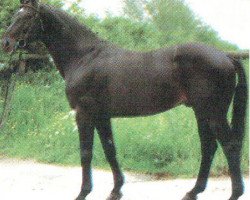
(6, 8)
(148, 24)
(174, 20)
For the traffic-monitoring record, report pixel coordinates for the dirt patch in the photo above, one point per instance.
(30, 180)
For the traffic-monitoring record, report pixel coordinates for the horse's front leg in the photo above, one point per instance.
(105, 132)
(86, 136)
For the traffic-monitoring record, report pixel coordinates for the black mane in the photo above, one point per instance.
(70, 24)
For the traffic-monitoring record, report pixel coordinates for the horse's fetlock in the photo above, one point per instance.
(238, 190)
(200, 189)
(190, 196)
(119, 181)
(115, 196)
(84, 192)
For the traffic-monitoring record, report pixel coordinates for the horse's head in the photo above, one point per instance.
(26, 26)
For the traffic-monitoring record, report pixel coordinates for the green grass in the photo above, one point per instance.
(41, 127)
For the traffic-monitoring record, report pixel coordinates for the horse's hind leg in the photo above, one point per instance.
(208, 149)
(232, 145)
(105, 132)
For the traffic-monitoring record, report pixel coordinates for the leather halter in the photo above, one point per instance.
(37, 16)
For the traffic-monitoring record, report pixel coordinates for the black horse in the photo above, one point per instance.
(104, 81)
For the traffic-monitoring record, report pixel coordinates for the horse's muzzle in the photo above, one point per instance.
(8, 44)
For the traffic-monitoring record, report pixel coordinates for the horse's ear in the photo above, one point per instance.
(30, 2)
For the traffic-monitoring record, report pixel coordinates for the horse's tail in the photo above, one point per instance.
(240, 101)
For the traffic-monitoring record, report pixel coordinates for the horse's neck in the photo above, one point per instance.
(67, 46)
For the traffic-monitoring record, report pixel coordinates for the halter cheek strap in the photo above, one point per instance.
(37, 15)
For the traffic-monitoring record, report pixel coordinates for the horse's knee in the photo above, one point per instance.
(108, 147)
(86, 156)
(209, 149)
(110, 150)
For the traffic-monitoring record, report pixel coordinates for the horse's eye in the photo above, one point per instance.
(22, 43)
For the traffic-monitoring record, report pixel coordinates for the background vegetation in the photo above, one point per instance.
(42, 127)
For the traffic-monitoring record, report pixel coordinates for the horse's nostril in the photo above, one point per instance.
(6, 42)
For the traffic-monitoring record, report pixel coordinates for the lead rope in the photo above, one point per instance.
(9, 85)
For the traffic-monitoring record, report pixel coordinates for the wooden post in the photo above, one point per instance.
(22, 66)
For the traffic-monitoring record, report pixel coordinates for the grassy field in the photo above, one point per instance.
(42, 127)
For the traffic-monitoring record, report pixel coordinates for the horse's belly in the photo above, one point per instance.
(145, 101)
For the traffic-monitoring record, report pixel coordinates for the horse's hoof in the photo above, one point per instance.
(234, 198)
(80, 198)
(189, 197)
(83, 194)
(115, 196)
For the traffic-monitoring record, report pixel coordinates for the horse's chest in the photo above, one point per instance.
(87, 89)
